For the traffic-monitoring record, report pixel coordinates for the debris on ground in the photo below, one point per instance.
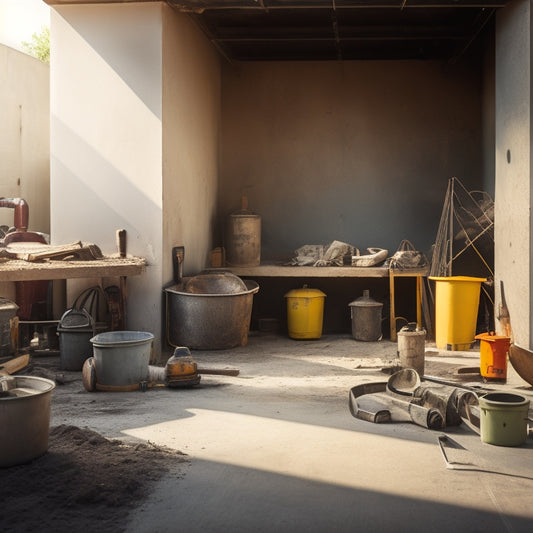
(84, 479)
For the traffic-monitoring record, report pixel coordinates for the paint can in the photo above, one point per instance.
(503, 418)
(493, 355)
(412, 347)
(243, 237)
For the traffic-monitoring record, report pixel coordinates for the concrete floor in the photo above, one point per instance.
(277, 450)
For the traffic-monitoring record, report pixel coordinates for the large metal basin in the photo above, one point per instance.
(24, 418)
(209, 321)
(121, 357)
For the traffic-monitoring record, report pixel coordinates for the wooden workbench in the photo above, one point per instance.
(108, 267)
(281, 271)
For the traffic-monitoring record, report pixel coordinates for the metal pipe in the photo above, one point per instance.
(22, 212)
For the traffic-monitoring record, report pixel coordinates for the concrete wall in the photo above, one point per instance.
(135, 122)
(24, 135)
(191, 111)
(354, 151)
(513, 165)
(24, 140)
(106, 139)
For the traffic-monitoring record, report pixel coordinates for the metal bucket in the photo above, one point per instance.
(366, 318)
(121, 358)
(8, 311)
(243, 239)
(412, 348)
(209, 321)
(24, 418)
(75, 330)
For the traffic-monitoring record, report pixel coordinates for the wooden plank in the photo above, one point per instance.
(107, 267)
(14, 365)
(280, 271)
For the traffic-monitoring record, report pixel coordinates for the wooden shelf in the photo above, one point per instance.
(282, 271)
(108, 267)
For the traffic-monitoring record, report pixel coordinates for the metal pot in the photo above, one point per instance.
(213, 320)
(24, 418)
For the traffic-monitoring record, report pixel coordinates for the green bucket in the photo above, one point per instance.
(503, 418)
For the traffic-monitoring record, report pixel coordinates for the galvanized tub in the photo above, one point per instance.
(24, 418)
(121, 358)
(209, 321)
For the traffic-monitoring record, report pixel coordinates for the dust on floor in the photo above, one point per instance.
(84, 480)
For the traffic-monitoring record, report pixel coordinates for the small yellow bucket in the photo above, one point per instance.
(305, 313)
(456, 306)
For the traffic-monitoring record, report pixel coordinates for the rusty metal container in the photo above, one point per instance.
(211, 311)
(8, 311)
(243, 237)
(366, 318)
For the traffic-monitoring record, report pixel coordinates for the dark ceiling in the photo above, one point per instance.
(274, 30)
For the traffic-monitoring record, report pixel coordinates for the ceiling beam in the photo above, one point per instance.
(221, 5)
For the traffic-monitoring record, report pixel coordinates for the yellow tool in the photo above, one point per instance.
(183, 371)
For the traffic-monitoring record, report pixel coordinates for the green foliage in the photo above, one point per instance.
(39, 46)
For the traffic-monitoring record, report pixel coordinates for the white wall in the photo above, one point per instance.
(135, 119)
(24, 135)
(106, 138)
(24, 140)
(513, 165)
(191, 111)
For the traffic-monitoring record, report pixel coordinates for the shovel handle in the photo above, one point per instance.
(219, 372)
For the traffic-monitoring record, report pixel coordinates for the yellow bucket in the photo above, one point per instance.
(305, 313)
(456, 306)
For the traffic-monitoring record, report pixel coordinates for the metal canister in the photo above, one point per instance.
(412, 347)
(366, 318)
(243, 237)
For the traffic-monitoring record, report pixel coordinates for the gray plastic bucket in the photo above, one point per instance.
(75, 330)
(24, 418)
(122, 357)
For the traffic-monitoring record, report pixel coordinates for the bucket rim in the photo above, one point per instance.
(108, 338)
(51, 386)
(492, 338)
(515, 400)
(457, 278)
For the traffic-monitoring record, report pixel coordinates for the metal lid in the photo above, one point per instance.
(76, 319)
(8, 305)
(244, 213)
(491, 337)
(222, 282)
(305, 292)
(365, 301)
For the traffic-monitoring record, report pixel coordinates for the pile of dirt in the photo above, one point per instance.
(84, 482)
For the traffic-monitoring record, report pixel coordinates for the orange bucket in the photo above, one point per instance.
(493, 355)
